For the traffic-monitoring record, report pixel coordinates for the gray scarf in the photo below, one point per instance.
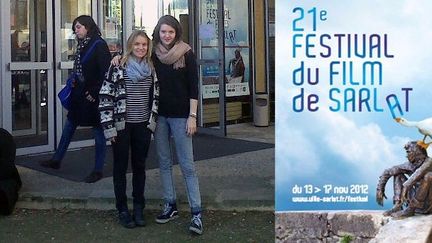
(137, 71)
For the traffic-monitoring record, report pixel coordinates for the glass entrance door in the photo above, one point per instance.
(27, 98)
(38, 49)
(65, 47)
(211, 70)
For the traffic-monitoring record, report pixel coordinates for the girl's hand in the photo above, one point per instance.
(116, 60)
(191, 126)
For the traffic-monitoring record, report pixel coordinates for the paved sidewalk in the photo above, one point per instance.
(237, 182)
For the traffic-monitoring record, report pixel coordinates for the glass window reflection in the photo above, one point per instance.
(30, 107)
(112, 25)
(70, 9)
(28, 31)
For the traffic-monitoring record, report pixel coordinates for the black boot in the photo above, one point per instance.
(93, 177)
(125, 219)
(53, 164)
(139, 216)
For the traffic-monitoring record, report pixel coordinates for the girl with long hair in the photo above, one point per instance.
(176, 68)
(128, 109)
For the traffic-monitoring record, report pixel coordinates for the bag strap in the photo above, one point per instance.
(83, 60)
(90, 50)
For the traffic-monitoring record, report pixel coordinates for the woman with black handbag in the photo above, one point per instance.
(89, 75)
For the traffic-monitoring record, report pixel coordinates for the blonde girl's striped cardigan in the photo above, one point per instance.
(112, 102)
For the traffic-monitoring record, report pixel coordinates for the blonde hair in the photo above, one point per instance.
(130, 44)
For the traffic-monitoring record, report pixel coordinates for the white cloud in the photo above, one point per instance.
(302, 142)
(363, 146)
(295, 155)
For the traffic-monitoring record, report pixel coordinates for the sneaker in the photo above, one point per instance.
(169, 213)
(196, 224)
(53, 164)
(93, 177)
(125, 220)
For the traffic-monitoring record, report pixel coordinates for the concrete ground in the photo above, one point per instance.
(237, 182)
(237, 196)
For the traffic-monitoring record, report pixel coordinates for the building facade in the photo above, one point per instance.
(232, 39)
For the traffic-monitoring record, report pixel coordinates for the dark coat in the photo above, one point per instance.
(10, 181)
(82, 111)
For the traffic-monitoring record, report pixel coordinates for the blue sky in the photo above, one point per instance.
(344, 148)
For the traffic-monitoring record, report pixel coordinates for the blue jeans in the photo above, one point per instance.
(100, 144)
(183, 143)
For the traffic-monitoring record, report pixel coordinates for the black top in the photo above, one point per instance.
(176, 87)
(82, 111)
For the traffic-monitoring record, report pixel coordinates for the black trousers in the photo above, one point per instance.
(137, 137)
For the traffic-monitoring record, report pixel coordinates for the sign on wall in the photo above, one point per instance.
(237, 49)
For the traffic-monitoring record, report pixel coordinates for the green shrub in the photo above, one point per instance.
(346, 239)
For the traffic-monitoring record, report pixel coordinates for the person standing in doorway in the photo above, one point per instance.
(128, 110)
(236, 66)
(177, 72)
(86, 85)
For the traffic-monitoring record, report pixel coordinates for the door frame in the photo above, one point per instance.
(7, 66)
(220, 61)
(67, 65)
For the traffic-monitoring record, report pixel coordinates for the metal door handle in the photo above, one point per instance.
(65, 65)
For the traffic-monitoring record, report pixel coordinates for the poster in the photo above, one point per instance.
(237, 48)
(345, 70)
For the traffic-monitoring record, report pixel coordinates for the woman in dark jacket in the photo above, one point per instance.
(89, 76)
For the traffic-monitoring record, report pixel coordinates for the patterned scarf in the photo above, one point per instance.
(82, 44)
(175, 55)
(137, 70)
